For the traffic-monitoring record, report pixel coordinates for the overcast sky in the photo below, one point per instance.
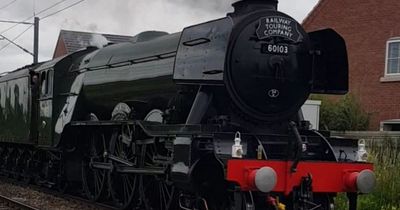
(125, 17)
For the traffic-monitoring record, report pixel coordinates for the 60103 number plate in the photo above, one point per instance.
(275, 49)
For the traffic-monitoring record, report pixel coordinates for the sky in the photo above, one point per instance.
(124, 17)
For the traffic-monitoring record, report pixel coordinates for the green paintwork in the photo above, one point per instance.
(88, 81)
(123, 72)
(51, 104)
(44, 121)
(15, 107)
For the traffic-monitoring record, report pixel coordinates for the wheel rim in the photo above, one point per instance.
(3, 153)
(61, 182)
(27, 168)
(37, 165)
(10, 163)
(123, 187)
(156, 192)
(18, 165)
(94, 179)
(6, 160)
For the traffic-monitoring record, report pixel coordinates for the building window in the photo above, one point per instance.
(390, 125)
(393, 57)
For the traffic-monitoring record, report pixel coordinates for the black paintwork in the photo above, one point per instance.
(331, 71)
(268, 86)
(202, 53)
(224, 52)
(209, 81)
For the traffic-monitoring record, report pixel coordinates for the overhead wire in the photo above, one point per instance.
(13, 26)
(15, 38)
(76, 3)
(52, 6)
(40, 12)
(8, 4)
(34, 7)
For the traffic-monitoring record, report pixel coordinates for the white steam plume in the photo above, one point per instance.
(98, 41)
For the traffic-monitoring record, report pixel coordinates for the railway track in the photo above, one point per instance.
(89, 204)
(75, 201)
(7, 203)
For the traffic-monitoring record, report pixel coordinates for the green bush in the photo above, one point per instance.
(346, 114)
(343, 115)
(386, 158)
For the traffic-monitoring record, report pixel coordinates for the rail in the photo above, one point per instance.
(87, 204)
(12, 203)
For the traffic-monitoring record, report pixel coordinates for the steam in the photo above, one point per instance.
(98, 41)
(215, 6)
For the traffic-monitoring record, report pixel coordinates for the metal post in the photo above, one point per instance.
(352, 198)
(36, 41)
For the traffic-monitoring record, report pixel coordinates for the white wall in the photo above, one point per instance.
(311, 112)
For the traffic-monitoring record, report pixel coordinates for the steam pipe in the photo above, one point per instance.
(200, 105)
(299, 151)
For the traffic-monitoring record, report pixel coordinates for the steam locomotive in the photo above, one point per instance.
(207, 118)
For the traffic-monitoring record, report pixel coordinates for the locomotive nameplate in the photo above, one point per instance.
(276, 26)
(279, 49)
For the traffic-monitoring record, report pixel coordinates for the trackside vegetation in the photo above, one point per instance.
(385, 154)
(346, 114)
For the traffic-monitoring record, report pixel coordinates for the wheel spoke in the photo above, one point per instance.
(162, 195)
(128, 183)
(122, 186)
(158, 194)
(98, 181)
(167, 192)
(93, 179)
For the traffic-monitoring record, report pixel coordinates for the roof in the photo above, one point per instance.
(75, 40)
(313, 13)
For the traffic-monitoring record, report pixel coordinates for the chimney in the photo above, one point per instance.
(245, 6)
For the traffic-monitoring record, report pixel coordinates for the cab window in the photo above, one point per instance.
(43, 82)
(46, 83)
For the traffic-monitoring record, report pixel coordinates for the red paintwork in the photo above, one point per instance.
(250, 179)
(350, 181)
(326, 176)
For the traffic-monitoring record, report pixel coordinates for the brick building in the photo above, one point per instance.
(372, 32)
